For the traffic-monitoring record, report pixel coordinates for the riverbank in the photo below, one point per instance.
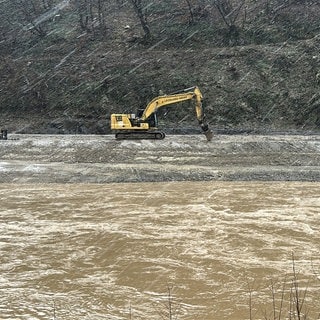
(102, 159)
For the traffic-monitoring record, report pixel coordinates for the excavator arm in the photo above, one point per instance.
(165, 100)
(184, 95)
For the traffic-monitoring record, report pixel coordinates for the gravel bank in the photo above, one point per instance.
(102, 159)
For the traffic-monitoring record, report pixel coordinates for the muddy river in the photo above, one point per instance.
(162, 250)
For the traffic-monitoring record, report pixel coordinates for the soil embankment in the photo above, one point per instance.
(102, 159)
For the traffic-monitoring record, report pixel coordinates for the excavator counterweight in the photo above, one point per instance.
(144, 125)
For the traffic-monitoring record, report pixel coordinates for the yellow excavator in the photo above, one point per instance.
(144, 125)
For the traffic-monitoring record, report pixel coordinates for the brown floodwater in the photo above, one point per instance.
(201, 250)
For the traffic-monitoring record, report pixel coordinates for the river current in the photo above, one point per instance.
(171, 250)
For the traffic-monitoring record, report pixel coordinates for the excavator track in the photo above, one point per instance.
(138, 135)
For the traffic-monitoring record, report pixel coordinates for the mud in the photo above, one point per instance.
(102, 159)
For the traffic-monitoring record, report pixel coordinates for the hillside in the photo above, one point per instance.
(258, 67)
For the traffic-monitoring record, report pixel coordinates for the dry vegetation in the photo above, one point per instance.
(66, 65)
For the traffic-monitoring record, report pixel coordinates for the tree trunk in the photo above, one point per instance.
(137, 4)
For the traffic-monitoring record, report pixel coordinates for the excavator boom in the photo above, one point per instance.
(129, 126)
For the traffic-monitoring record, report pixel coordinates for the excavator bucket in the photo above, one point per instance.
(208, 134)
(206, 131)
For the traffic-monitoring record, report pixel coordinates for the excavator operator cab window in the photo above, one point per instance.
(140, 112)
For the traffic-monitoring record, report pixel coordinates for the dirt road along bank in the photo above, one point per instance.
(102, 159)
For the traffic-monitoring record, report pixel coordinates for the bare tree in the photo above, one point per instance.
(84, 9)
(30, 11)
(190, 11)
(91, 15)
(230, 13)
(141, 13)
(171, 308)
